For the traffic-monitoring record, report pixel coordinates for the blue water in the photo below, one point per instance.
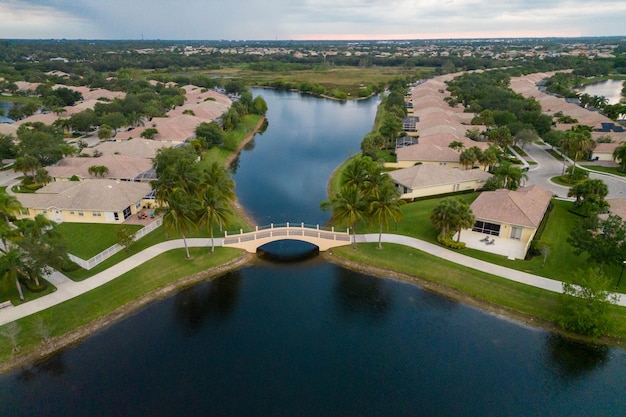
(314, 339)
(5, 106)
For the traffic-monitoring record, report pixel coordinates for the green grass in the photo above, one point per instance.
(86, 240)
(555, 154)
(608, 170)
(236, 136)
(515, 296)
(156, 273)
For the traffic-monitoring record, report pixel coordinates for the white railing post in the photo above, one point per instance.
(287, 224)
(256, 228)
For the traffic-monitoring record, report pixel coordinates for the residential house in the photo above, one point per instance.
(426, 179)
(507, 221)
(89, 201)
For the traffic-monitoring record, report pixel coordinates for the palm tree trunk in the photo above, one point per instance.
(19, 288)
(380, 236)
(458, 236)
(212, 241)
(188, 256)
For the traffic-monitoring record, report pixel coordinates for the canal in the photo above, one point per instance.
(310, 338)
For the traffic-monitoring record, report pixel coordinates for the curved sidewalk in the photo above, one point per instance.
(68, 289)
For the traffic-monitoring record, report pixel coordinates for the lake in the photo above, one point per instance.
(310, 338)
(5, 106)
(611, 89)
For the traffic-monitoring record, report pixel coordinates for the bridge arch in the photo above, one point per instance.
(323, 239)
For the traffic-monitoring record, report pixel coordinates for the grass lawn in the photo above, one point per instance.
(486, 287)
(235, 137)
(86, 240)
(608, 170)
(156, 273)
(555, 154)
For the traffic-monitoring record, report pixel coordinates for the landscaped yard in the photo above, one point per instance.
(86, 240)
(608, 170)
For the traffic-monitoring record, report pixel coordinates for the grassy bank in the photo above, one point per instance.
(607, 170)
(490, 292)
(154, 279)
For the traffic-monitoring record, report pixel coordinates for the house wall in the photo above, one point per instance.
(78, 216)
(602, 156)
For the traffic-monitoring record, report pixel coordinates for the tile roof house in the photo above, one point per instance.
(89, 201)
(506, 215)
(426, 179)
(121, 167)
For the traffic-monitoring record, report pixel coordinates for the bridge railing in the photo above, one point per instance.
(286, 229)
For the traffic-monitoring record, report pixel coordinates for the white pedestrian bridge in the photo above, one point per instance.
(324, 239)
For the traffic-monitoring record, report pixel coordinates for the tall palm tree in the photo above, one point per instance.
(385, 205)
(179, 215)
(214, 208)
(356, 172)
(217, 176)
(510, 175)
(12, 267)
(349, 206)
(9, 207)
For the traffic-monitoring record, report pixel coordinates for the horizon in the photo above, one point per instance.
(310, 19)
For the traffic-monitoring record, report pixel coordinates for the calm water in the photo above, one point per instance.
(5, 106)
(611, 89)
(314, 339)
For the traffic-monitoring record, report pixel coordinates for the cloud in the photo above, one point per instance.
(285, 19)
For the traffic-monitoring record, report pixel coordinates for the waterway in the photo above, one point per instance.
(5, 106)
(611, 89)
(310, 338)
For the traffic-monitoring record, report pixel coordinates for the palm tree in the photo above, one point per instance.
(490, 157)
(26, 164)
(619, 154)
(214, 208)
(349, 206)
(385, 205)
(443, 215)
(356, 172)
(9, 207)
(464, 218)
(510, 176)
(12, 267)
(179, 215)
(217, 177)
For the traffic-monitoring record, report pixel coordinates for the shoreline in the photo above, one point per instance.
(57, 344)
(499, 311)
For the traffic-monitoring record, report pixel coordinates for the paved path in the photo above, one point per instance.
(68, 289)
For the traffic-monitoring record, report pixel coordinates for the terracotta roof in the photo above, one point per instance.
(136, 148)
(617, 206)
(427, 175)
(120, 166)
(427, 152)
(104, 195)
(524, 207)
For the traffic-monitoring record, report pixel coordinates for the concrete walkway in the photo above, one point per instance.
(68, 289)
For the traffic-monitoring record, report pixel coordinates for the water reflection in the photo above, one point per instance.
(573, 360)
(361, 296)
(54, 365)
(194, 306)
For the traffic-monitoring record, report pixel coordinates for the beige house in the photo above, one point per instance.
(506, 221)
(427, 179)
(89, 201)
(121, 167)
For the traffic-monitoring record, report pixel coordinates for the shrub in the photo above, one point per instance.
(448, 242)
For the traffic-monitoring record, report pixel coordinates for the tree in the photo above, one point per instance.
(590, 196)
(469, 156)
(385, 205)
(214, 209)
(98, 170)
(259, 106)
(210, 133)
(452, 214)
(578, 142)
(490, 157)
(12, 267)
(524, 137)
(149, 133)
(26, 165)
(124, 236)
(619, 155)
(390, 126)
(41, 177)
(83, 121)
(456, 145)
(509, 176)
(604, 241)
(105, 132)
(42, 142)
(586, 304)
(179, 215)
(9, 208)
(348, 207)
(8, 149)
(500, 136)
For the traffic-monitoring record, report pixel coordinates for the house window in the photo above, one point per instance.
(486, 228)
(97, 214)
(116, 216)
(71, 212)
(24, 212)
(127, 212)
(456, 187)
(516, 233)
(80, 213)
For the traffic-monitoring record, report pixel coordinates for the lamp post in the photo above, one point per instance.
(620, 275)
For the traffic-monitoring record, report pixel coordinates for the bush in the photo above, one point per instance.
(578, 174)
(448, 242)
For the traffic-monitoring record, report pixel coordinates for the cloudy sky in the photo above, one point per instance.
(309, 19)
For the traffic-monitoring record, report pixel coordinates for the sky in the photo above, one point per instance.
(309, 19)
